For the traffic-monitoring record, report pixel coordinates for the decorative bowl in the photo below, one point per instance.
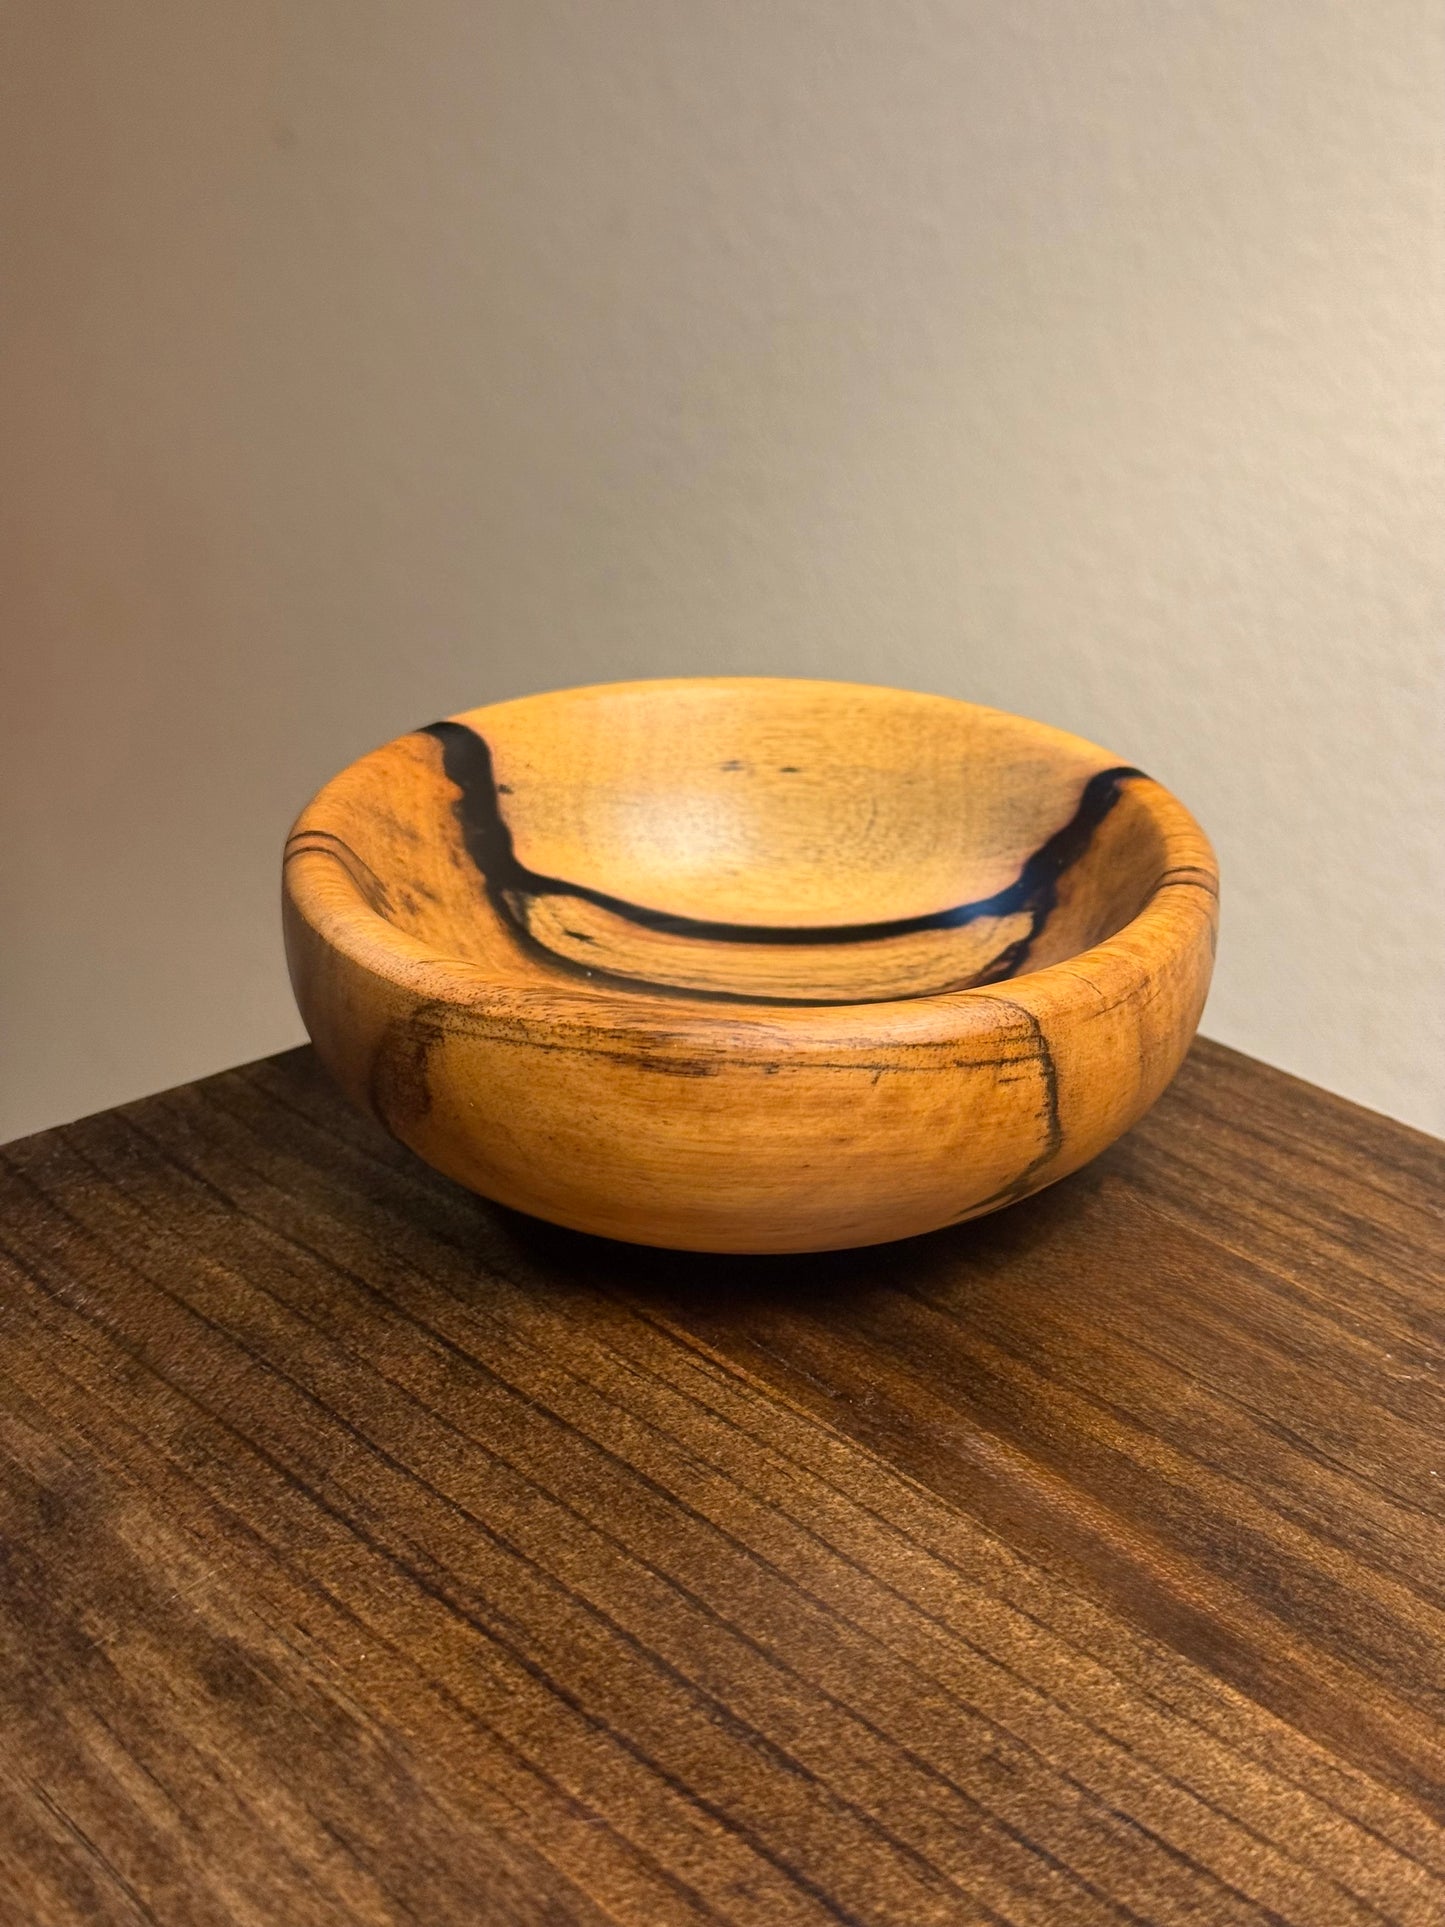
(745, 964)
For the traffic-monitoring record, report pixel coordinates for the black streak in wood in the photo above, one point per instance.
(511, 884)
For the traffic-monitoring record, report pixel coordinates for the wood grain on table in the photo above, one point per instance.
(372, 1554)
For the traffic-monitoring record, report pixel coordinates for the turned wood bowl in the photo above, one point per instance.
(749, 965)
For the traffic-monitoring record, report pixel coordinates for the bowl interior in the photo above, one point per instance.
(755, 841)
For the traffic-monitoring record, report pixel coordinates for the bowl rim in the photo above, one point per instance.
(320, 891)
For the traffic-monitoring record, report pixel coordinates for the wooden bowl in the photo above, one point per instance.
(749, 965)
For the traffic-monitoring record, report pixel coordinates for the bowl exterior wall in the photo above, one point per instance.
(716, 1134)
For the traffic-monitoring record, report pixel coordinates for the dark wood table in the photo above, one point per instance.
(372, 1554)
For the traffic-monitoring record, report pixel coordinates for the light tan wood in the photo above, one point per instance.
(749, 965)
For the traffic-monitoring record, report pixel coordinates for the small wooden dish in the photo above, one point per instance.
(749, 965)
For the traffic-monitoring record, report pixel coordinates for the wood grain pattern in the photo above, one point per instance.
(373, 1554)
(749, 965)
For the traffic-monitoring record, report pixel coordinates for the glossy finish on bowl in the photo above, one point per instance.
(749, 965)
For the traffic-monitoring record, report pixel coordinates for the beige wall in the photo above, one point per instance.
(365, 359)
